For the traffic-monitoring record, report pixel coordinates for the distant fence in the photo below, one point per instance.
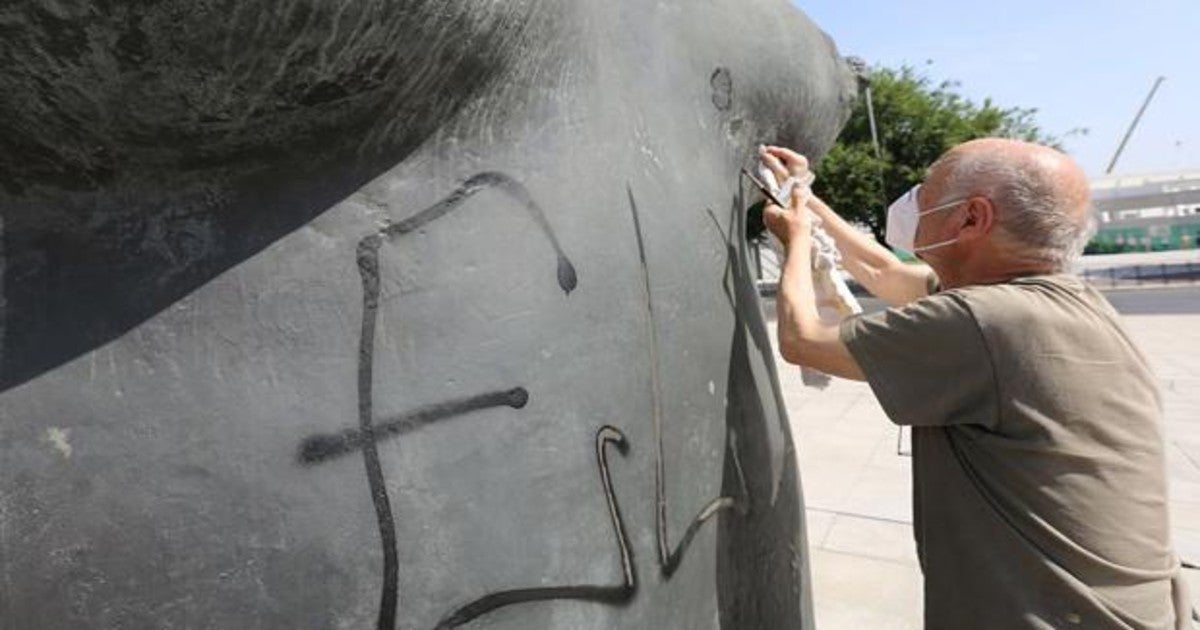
(1113, 273)
(1137, 275)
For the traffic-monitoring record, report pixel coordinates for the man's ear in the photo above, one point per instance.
(978, 219)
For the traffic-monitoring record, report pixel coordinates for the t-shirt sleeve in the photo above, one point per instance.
(932, 283)
(927, 362)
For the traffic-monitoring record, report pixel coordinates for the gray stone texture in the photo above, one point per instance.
(314, 313)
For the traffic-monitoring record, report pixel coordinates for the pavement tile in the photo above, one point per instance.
(1185, 515)
(827, 488)
(1187, 545)
(1181, 490)
(893, 453)
(818, 523)
(856, 592)
(883, 540)
(1183, 461)
(881, 493)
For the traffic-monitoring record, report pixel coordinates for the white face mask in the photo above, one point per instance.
(904, 215)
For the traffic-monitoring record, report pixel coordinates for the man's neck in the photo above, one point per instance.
(979, 272)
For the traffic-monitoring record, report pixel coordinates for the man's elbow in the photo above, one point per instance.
(798, 344)
(792, 350)
(825, 353)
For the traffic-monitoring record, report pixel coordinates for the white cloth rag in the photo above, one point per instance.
(835, 302)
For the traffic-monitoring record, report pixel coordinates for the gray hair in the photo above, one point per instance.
(1029, 201)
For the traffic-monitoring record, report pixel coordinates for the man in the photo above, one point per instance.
(1039, 486)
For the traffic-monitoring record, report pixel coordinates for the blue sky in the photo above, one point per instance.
(1081, 64)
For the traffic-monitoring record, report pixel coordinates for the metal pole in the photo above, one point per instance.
(878, 152)
(871, 120)
(1133, 125)
(864, 83)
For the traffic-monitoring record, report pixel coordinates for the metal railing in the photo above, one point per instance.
(1112, 276)
(1164, 274)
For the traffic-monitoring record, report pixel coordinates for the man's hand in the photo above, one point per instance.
(871, 264)
(785, 223)
(804, 339)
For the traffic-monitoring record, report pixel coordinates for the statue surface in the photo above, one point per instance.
(410, 314)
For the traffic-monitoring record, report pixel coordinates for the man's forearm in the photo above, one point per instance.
(804, 339)
(871, 264)
(861, 254)
(796, 302)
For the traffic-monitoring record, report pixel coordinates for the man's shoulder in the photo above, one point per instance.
(1035, 297)
(1060, 310)
(1058, 282)
(1027, 306)
(940, 317)
(1018, 306)
(949, 304)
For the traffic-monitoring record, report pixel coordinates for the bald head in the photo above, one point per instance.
(1040, 194)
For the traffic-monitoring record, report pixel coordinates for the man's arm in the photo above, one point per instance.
(871, 264)
(804, 339)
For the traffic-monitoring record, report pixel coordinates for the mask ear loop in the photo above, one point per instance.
(942, 207)
(925, 248)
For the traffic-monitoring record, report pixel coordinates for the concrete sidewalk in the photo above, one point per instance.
(858, 489)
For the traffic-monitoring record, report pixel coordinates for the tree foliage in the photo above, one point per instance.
(917, 121)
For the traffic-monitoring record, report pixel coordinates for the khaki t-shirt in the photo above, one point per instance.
(1039, 485)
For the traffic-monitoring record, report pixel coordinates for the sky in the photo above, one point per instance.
(1081, 64)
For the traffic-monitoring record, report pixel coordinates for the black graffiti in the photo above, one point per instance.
(567, 277)
(613, 595)
(368, 267)
(365, 437)
(318, 448)
(668, 558)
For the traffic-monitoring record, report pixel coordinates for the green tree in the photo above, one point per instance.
(916, 122)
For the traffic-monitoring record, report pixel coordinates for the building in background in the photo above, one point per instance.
(1146, 212)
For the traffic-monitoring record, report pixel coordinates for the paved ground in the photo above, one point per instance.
(857, 488)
